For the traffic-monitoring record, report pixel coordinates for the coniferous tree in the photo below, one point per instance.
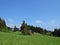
(56, 32)
(25, 29)
(2, 25)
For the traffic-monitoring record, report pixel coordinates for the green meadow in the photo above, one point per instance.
(16, 38)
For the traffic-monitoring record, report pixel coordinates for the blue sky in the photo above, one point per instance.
(42, 13)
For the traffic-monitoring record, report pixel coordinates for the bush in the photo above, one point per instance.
(26, 32)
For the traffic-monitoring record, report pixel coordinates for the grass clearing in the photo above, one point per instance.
(16, 38)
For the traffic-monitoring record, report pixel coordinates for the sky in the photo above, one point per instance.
(41, 13)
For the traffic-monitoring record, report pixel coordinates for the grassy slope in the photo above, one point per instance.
(18, 39)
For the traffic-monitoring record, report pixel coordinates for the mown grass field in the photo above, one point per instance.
(16, 38)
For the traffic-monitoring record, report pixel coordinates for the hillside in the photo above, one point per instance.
(16, 38)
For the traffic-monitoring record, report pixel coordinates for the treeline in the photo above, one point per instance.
(56, 32)
(28, 29)
(3, 26)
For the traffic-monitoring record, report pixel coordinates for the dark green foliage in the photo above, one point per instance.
(2, 25)
(25, 29)
(23, 25)
(9, 29)
(45, 31)
(26, 32)
(31, 28)
(36, 29)
(15, 29)
(56, 32)
(28, 29)
(49, 33)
